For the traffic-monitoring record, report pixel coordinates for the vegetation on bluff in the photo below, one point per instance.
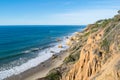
(54, 75)
(99, 53)
(110, 37)
(105, 44)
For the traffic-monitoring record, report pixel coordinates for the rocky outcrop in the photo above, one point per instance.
(90, 60)
(60, 46)
(74, 38)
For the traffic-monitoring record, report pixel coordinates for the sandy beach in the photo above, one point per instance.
(42, 69)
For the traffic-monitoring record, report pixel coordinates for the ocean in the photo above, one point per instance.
(23, 47)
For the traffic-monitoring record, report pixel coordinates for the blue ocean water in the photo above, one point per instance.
(15, 41)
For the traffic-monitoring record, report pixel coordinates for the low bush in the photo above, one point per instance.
(54, 75)
(105, 45)
(73, 57)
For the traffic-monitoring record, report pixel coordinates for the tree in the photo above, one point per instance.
(119, 12)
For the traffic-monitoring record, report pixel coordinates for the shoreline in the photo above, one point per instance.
(42, 69)
(43, 56)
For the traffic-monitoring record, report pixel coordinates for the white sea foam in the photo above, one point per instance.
(44, 55)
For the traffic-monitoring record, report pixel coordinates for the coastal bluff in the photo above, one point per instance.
(100, 56)
(94, 53)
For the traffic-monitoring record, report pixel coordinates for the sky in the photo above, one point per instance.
(56, 12)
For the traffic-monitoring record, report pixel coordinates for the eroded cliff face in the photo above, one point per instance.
(90, 60)
(94, 53)
(100, 56)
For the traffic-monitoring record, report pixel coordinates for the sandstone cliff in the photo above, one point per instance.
(94, 53)
(100, 56)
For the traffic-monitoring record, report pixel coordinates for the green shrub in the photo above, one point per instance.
(105, 45)
(70, 58)
(94, 30)
(116, 18)
(95, 26)
(86, 34)
(119, 47)
(99, 21)
(105, 22)
(109, 29)
(55, 75)
(73, 57)
(119, 12)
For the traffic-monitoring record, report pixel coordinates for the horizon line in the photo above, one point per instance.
(46, 25)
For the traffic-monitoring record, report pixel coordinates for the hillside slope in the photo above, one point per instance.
(100, 56)
(94, 53)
